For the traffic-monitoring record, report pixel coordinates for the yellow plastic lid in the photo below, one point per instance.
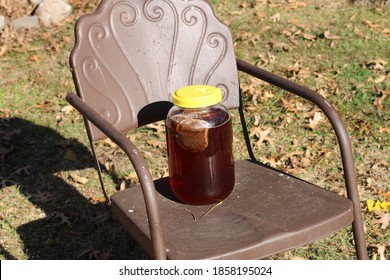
(197, 96)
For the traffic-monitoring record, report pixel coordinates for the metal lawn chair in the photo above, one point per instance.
(128, 57)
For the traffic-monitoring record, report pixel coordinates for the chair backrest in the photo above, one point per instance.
(130, 55)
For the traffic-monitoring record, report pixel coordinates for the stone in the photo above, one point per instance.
(52, 12)
(26, 22)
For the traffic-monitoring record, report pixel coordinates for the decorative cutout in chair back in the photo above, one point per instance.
(129, 54)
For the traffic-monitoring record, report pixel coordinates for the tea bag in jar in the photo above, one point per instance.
(191, 132)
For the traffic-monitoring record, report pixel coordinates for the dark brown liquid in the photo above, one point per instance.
(206, 176)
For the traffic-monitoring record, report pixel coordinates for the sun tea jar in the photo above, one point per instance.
(199, 139)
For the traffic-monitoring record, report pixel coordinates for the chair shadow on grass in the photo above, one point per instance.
(71, 226)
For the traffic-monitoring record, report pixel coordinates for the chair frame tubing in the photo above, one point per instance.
(342, 137)
(147, 184)
(140, 167)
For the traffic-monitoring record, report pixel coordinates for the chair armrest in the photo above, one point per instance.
(140, 166)
(338, 126)
(320, 101)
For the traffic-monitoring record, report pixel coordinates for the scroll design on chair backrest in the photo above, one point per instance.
(129, 54)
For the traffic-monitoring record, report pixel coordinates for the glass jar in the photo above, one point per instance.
(199, 140)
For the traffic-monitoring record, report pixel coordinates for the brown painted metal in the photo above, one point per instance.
(128, 56)
(123, 49)
(267, 212)
(153, 217)
(342, 136)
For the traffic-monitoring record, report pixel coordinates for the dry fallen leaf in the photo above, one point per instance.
(376, 64)
(42, 197)
(262, 135)
(109, 143)
(384, 129)
(309, 37)
(314, 122)
(245, 5)
(70, 155)
(275, 17)
(380, 79)
(78, 179)
(94, 199)
(381, 252)
(273, 162)
(386, 32)
(110, 167)
(156, 143)
(297, 159)
(67, 109)
(26, 171)
(387, 196)
(372, 25)
(3, 50)
(296, 4)
(159, 127)
(41, 105)
(379, 249)
(384, 219)
(259, 15)
(330, 37)
(125, 184)
(378, 104)
(248, 37)
(304, 73)
(382, 95)
(5, 115)
(63, 219)
(293, 105)
(370, 182)
(323, 92)
(34, 58)
(6, 182)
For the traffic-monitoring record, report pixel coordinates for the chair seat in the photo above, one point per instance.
(257, 220)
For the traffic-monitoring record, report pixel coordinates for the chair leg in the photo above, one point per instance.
(360, 241)
(99, 170)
